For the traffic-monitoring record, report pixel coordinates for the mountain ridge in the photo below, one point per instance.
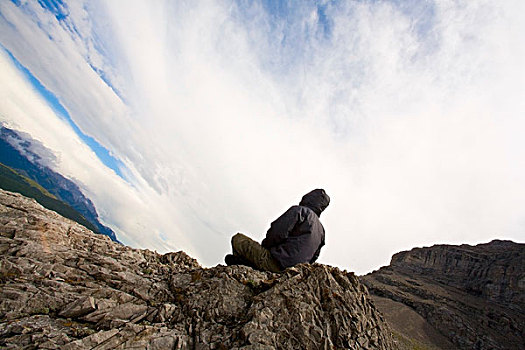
(473, 295)
(61, 286)
(11, 180)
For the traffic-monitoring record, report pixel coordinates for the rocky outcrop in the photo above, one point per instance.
(472, 295)
(61, 286)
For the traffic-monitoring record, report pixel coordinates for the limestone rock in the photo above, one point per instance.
(63, 287)
(82, 306)
(472, 295)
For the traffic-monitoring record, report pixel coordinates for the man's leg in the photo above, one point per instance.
(253, 252)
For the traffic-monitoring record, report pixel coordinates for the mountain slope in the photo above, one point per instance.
(472, 295)
(29, 158)
(11, 180)
(63, 287)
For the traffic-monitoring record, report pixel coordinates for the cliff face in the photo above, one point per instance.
(472, 295)
(61, 286)
(494, 271)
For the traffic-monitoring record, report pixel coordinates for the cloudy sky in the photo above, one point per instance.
(188, 121)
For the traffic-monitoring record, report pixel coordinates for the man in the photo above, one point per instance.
(295, 237)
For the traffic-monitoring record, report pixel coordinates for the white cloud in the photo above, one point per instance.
(130, 210)
(409, 117)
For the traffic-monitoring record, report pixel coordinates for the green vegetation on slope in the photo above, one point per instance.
(406, 343)
(11, 180)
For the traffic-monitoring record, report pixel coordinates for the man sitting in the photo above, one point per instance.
(295, 237)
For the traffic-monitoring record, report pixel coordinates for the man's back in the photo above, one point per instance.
(295, 237)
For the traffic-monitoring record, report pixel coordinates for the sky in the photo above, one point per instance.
(186, 122)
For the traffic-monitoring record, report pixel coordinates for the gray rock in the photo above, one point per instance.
(81, 307)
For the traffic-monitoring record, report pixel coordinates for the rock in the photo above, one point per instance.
(471, 295)
(82, 306)
(64, 287)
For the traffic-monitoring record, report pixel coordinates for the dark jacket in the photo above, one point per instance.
(297, 236)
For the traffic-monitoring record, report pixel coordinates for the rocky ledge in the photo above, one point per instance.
(470, 297)
(61, 286)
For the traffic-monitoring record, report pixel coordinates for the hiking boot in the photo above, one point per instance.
(231, 259)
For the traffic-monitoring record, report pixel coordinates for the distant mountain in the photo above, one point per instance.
(11, 180)
(455, 297)
(29, 158)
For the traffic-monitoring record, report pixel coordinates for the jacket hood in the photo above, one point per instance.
(317, 200)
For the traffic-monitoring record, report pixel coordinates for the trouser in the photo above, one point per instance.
(256, 254)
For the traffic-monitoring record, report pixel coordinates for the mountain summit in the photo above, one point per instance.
(61, 286)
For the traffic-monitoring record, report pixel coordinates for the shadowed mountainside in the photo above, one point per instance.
(11, 180)
(474, 296)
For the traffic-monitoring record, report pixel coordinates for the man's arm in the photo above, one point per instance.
(316, 254)
(281, 228)
(318, 251)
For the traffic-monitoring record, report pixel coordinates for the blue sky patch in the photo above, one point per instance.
(287, 11)
(324, 21)
(57, 7)
(102, 153)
